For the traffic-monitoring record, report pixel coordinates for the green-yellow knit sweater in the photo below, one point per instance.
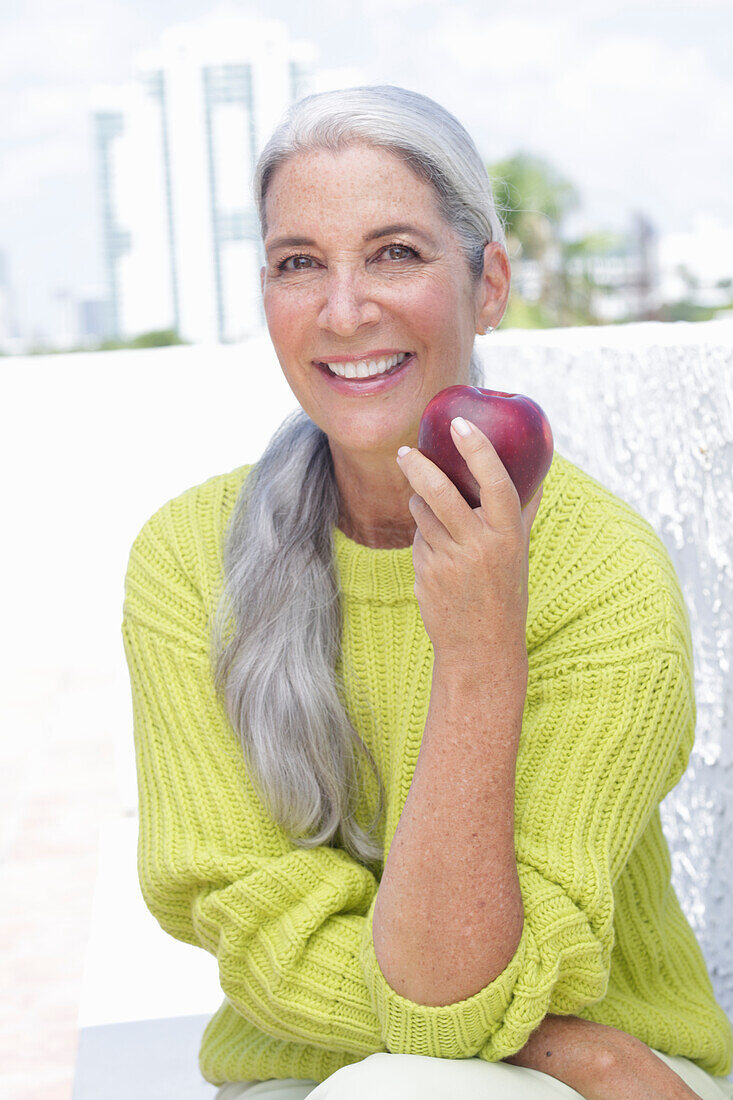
(608, 726)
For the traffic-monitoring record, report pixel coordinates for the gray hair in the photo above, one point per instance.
(277, 628)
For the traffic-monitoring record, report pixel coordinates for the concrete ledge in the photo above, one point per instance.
(143, 1059)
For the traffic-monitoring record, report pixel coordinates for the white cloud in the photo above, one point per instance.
(61, 43)
(632, 120)
(329, 80)
(39, 112)
(505, 46)
(33, 163)
(45, 135)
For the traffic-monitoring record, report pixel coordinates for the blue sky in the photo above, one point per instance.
(632, 101)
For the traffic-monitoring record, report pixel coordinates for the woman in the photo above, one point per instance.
(400, 761)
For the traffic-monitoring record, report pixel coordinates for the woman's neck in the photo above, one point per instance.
(382, 537)
(374, 499)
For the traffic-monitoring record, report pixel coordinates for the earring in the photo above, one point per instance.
(489, 328)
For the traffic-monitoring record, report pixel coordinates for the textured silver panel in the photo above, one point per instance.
(647, 410)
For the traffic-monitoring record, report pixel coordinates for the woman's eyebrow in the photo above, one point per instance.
(373, 235)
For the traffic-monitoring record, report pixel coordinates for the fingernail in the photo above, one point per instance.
(460, 425)
(403, 451)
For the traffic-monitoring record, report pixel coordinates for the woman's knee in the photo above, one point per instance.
(357, 1080)
(385, 1076)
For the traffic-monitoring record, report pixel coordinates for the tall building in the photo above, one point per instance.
(175, 154)
(132, 207)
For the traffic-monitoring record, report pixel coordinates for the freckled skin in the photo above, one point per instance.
(351, 297)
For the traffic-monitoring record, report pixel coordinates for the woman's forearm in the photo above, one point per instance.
(600, 1062)
(449, 912)
(573, 1050)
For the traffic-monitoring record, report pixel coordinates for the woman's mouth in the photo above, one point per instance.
(378, 380)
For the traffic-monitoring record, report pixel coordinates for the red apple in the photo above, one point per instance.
(516, 426)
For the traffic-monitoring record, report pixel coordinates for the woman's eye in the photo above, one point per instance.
(281, 266)
(401, 248)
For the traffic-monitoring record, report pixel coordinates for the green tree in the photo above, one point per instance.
(533, 199)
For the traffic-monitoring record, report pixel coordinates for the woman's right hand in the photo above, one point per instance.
(471, 564)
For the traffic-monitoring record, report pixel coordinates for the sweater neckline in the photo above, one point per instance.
(369, 573)
(388, 576)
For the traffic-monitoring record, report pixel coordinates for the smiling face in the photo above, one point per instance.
(360, 290)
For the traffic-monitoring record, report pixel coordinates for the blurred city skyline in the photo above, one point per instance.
(631, 102)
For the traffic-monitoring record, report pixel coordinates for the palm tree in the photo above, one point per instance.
(533, 200)
(530, 193)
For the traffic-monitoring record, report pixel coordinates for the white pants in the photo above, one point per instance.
(414, 1077)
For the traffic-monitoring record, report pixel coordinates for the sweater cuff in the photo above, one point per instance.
(457, 1030)
(566, 963)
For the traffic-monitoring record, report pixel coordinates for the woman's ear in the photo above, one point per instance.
(494, 286)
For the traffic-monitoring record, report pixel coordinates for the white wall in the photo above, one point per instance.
(647, 409)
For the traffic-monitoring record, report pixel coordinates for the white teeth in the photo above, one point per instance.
(366, 368)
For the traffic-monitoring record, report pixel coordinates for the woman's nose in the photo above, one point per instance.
(348, 304)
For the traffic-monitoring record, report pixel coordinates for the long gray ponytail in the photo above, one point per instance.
(277, 628)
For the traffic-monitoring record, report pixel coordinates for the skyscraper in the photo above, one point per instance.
(175, 153)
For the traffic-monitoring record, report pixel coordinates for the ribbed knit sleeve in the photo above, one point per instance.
(284, 923)
(620, 739)
(600, 749)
